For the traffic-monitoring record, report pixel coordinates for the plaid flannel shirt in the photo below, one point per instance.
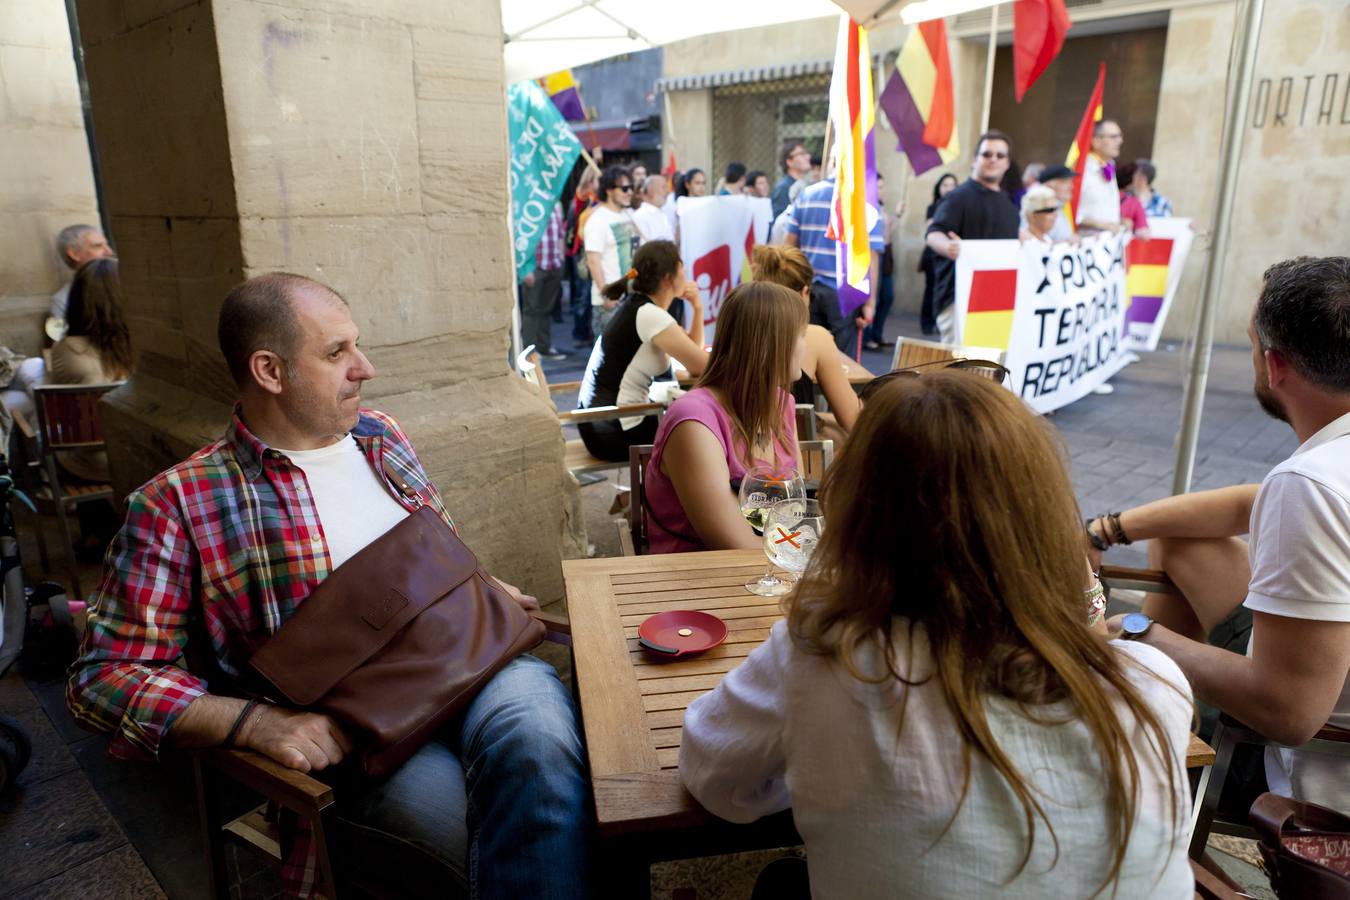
(550, 253)
(226, 545)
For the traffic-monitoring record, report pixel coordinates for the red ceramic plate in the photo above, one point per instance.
(681, 631)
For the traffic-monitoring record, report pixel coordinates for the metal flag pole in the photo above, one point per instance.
(1245, 43)
(989, 69)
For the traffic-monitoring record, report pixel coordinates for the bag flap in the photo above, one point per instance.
(362, 605)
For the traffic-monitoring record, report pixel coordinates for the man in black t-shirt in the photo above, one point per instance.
(975, 210)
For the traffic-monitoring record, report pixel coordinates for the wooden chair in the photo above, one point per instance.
(576, 458)
(806, 422)
(307, 797)
(914, 352)
(1228, 734)
(634, 539)
(68, 419)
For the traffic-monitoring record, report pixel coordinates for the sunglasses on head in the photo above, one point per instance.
(984, 368)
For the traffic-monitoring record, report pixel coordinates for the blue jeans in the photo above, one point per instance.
(581, 306)
(500, 797)
(885, 300)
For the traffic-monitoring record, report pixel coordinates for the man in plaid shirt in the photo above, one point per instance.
(227, 544)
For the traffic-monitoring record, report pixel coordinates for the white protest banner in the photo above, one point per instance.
(716, 237)
(1058, 312)
(1153, 272)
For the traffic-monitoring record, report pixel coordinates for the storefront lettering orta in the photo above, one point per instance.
(1296, 101)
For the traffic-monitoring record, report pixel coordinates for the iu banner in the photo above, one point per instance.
(1057, 312)
(543, 151)
(716, 237)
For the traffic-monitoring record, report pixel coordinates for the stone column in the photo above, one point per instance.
(358, 142)
(46, 182)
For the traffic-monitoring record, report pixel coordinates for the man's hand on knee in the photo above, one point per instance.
(298, 740)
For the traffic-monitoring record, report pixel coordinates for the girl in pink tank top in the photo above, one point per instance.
(741, 410)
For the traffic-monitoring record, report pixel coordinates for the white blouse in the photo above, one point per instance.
(872, 774)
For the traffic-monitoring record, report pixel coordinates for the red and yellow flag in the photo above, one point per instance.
(855, 187)
(1082, 142)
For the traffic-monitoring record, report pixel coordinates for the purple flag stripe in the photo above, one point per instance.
(1143, 309)
(903, 113)
(850, 298)
(568, 103)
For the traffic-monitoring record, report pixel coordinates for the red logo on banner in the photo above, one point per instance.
(712, 273)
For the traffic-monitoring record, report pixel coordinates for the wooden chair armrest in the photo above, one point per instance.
(1332, 733)
(291, 788)
(1152, 581)
(557, 629)
(600, 413)
(564, 386)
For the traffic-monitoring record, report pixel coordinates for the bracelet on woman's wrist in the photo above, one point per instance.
(1096, 541)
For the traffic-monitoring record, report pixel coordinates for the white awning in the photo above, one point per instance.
(743, 76)
(544, 36)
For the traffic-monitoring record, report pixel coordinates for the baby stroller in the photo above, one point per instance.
(53, 643)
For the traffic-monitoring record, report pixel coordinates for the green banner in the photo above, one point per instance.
(543, 151)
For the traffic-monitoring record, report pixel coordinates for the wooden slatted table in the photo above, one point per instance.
(632, 704)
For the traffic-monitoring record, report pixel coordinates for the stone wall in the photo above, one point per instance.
(1295, 145)
(362, 144)
(46, 181)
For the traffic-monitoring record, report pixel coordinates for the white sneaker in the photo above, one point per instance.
(1103, 389)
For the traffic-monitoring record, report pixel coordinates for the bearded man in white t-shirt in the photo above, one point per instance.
(1294, 572)
(609, 237)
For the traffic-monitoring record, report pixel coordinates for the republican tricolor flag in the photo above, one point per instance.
(562, 89)
(855, 186)
(1082, 143)
(1146, 265)
(918, 98)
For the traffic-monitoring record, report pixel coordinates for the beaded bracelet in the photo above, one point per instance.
(1095, 597)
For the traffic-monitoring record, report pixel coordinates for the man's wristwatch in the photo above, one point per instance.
(1134, 626)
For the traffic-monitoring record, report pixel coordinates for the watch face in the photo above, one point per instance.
(1135, 624)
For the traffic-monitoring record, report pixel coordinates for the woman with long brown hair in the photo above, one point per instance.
(740, 415)
(97, 345)
(822, 364)
(95, 350)
(934, 710)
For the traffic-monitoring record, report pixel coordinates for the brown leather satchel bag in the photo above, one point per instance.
(397, 640)
(1306, 848)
